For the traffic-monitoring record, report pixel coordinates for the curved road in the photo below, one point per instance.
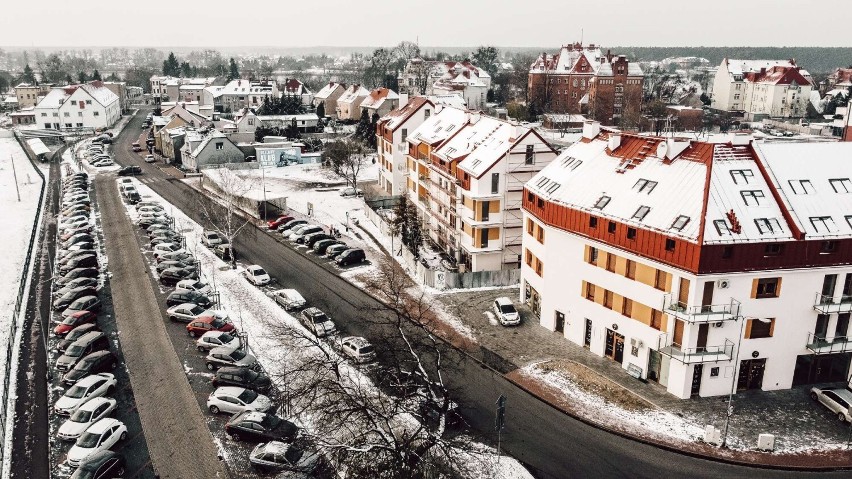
(550, 443)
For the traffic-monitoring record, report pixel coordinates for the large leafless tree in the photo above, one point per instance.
(224, 210)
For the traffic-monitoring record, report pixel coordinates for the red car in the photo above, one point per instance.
(274, 224)
(74, 320)
(202, 324)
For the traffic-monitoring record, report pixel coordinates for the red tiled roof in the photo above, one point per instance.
(778, 75)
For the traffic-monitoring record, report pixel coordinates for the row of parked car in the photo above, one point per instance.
(95, 152)
(316, 238)
(85, 360)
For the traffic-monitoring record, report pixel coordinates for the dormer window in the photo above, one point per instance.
(823, 224)
(768, 225)
(722, 227)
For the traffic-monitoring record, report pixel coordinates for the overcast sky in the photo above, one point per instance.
(532, 23)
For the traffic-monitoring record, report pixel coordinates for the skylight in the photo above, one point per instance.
(768, 225)
(823, 224)
(742, 177)
(841, 185)
(644, 185)
(752, 197)
(602, 202)
(802, 187)
(552, 188)
(680, 222)
(722, 227)
(641, 212)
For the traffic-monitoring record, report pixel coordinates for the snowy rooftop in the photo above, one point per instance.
(399, 116)
(100, 93)
(377, 97)
(439, 127)
(481, 144)
(352, 93)
(327, 90)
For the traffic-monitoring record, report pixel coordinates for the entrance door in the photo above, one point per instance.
(614, 346)
(707, 297)
(610, 343)
(697, 372)
(560, 322)
(619, 348)
(654, 364)
(587, 334)
(751, 374)
(678, 333)
(703, 329)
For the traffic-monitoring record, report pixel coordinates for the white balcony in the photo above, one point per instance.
(697, 355)
(822, 345)
(828, 304)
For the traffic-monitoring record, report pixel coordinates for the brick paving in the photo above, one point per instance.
(789, 414)
(179, 441)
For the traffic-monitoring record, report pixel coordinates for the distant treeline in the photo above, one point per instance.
(814, 59)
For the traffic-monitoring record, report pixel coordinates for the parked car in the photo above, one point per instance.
(210, 238)
(259, 426)
(155, 209)
(71, 256)
(289, 226)
(203, 324)
(224, 251)
(100, 436)
(83, 346)
(215, 339)
(242, 377)
(350, 191)
(192, 285)
(166, 248)
(298, 237)
(274, 224)
(150, 159)
(179, 255)
(103, 162)
(171, 276)
(144, 203)
(351, 256)
(226, 356)
(75, 283)
(93, 386)
(86, 303)
(172, 238)
(97, 362)
(312, 239)
(358, 349)
(145, 222)
(231, 400)
(837, 401)
(185, 312)
(74, 335)
(317, 322)
(321, 246)
(77, 238)
(336, 250)
(102, 464)
(73, 249)
(279, 456)
(89, 413)
(164, 265)
(182, 297)
(85, 261)
(74, 320)
(135, 146)
(505, 311)
(133, 197)
(130, 170)
(69, 297)
(289, 299)
(76, 273)
(257, 275)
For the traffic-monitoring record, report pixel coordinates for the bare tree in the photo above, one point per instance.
(345, 158)
(396, 422)
(225, 209)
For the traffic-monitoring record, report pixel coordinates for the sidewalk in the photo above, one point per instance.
(598, 390)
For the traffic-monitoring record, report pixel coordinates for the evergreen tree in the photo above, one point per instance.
(28, 75)
(171, 66)
(96, 75)
(68, 79)
(292, 131)
(321, 110)
(233, 72)
(82, 78)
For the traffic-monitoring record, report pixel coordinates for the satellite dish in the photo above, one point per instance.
(662, 149)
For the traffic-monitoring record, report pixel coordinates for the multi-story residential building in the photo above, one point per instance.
(702, 267)
(583, 79)
(29, 95)
(466, 172)
(464, 79)
(349, 103)
(166, 88)
(840, 78)
(239, 94)
(762, 88)
(120, 89)
(328, 96)
(392, 132)
(380, 102)
(293, 87)
(90, 105)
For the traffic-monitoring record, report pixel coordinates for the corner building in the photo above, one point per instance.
(698, 266)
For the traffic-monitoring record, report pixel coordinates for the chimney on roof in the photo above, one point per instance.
(614, 141)
(591, 129)
(403, 100)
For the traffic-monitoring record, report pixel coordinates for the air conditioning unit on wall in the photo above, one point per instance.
(723, 283)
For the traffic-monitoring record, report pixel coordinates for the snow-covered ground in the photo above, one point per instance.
(253, 312)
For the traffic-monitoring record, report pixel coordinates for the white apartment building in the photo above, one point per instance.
(392, 133)
(464, 79)
(90, 105)
(166, 88)
(698, 266)
(239, 94)
(762, 88)
(466, 173)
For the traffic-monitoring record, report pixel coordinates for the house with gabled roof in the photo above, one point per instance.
(208, 148)
(328, 96)
(380, 102)
(392, 132)
(694, 265)
(349, 103)
(762, 88)
(89, 105)
(293, 87)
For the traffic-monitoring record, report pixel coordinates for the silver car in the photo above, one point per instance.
(836, 400)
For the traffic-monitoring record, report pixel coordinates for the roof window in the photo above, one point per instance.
(680, 222)
(566, 162)
(768, 225)
(802, 187)
(752, 197)
(841, 185)
(645, 185)
(552, 188)
(602, 202)
(641, 213)
(823, 224)
(742, 177)
(722, 227)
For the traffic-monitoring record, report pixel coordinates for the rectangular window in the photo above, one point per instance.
(670, 244)
(752, 197)
(772, 249)
(645, 185)
(539, 234)
(602, 202)
(630, 270)
(610, 227)
(220, 145)
(590, 291)
(607, 302)
(660, 280)
(593, 255)
(680, 222)
(530, 226)
(404, 134)
(610, 262)
(823, 224)
(66, 114)
(656, 319)
(495, 183)
(529, 159)
(88, 102)
(742, 177)
(722, 227)
(97, 113)
(627, 307)
(631, 233)
(841, 185)
(529, 257)
(767, 288)
(757, 328)
(593, 221)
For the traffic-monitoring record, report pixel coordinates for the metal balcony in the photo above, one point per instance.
(825, 304)
(712, 313)
(821, 345)
(706, 354)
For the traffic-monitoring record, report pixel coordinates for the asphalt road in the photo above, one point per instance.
(550, 443)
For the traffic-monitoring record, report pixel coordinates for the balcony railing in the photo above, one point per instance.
(704, 354)
(821, 345)
(826, 304)
(712, 313)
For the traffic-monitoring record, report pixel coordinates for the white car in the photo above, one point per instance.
(103, 162)
(186, 312)
(142, 204)
(89, 413)
(216, 339)
(257, 275)
(210, 239)
(231, 400)
(149, 159)
(358, 349)
(506, 312)
(100, 436)
(125, 181)
(165, 248)
(154, 209)
(186, 285)
(231, 356)
(350, 191)
(95, 385)
(300, 235)
(837, 401)
(277, 456)
(289, 299)
(317, 322)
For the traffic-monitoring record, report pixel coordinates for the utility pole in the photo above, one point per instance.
(500, 422)
(15, 176)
